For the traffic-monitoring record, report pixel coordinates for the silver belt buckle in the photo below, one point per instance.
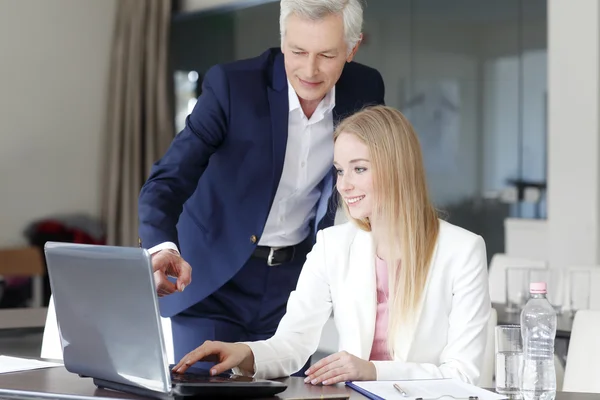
(270, 261)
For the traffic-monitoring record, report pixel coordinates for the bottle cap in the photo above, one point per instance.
(537, 287)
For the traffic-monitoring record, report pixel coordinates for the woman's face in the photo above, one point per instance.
(354, 175)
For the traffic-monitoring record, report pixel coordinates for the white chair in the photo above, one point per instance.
(582, 373)
(486, 380)
(52, 347)
(497, 273)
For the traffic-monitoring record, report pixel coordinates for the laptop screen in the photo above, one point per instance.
(107, 314)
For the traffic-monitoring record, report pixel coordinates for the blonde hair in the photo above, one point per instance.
(404, 218)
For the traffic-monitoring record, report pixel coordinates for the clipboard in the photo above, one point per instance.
(419, 389)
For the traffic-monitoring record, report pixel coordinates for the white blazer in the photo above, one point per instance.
(448, 336)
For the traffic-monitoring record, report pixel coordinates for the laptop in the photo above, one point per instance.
(109, 324)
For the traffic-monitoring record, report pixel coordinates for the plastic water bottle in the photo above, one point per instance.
(538, 329)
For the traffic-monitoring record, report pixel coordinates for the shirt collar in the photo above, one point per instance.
(327, 104)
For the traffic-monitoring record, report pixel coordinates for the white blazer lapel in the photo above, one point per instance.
(406, 333)
(362, 267)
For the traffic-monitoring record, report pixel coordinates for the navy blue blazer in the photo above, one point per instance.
(212, 190)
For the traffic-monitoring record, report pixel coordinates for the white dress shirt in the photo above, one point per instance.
(308, 158)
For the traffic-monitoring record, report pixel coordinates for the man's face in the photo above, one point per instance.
(315, 54)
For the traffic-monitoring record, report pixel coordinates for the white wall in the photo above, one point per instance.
(574, 133)
(526, 238)
(53, 80)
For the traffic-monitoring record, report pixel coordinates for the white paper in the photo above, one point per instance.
(15, 364)
(428, 389)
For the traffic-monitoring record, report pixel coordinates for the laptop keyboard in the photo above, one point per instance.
(195, 377)
(189, 377)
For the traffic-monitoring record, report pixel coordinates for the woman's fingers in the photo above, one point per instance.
(207, 349)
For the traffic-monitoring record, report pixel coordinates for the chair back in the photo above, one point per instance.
(581, 371)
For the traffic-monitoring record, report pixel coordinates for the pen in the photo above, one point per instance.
(399, 389)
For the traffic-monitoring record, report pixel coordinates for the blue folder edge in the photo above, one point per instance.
(363, 391)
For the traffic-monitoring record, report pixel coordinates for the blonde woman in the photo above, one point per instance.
(409, 292)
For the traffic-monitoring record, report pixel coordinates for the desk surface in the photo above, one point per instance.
(66, 385)
(564, 320)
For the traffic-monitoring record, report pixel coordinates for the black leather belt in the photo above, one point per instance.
(275, 256)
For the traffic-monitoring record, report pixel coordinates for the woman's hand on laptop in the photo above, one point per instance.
(226, 355)
(168, 263)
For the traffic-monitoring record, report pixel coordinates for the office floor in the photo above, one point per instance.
(20, 343)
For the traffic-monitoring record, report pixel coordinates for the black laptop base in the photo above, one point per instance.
(233, 386)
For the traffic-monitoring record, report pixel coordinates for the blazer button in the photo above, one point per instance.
(253, 238)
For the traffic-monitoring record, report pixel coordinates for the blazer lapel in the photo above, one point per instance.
(407, 332)
(344, 100)
(362, 268)
(342, 107)
(279, 109)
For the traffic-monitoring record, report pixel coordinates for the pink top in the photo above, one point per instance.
(379, 351)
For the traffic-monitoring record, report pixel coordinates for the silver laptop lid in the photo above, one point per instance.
(107, 313)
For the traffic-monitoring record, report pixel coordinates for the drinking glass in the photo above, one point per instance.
(509, 360)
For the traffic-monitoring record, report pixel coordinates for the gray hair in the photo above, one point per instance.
(351, 10)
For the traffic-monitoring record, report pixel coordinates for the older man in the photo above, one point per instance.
(232, 208)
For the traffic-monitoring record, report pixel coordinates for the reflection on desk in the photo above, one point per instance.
(57, 383)
(564, 320)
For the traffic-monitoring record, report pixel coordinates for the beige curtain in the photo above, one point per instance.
(139, 113)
